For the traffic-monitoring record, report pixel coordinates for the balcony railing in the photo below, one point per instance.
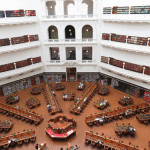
(20, 71)
(126, 46)
(126, 17)
(74, 41)
(126, 73)
(72, 17)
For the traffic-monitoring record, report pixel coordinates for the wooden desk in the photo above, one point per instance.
(125, 101)
(6, 125)
(79, 105)
(35, 91)
(10, 99)
(51, 100)
(143, 118)
(59, 86)
(33, 102)
(18, 138)
(103, 91)
(101, 104)
(68, 96)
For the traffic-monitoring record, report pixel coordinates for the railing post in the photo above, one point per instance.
(15, 65)
(110, 37)
(143, 70)
(126, 39)
(10, 41)
(147, 41)
(123, 64)
(5, 13)
(108, 60)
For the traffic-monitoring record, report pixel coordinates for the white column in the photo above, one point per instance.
(108, 60)
(143, 70)
(123, 64)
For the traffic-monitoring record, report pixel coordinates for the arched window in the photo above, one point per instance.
(84, 9)
(53, 32)
(90, 6)
(51, 7)
(87, 31)
(69, 7)
(69, 32)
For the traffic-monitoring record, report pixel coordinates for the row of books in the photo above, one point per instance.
(127, 88)
(147, 96)
(17, 13)
(89, 77)
(128, 66)
(122, 38)
(14, 87)
(19, 64)
(52, 77)
(18, 40)
(125, 10)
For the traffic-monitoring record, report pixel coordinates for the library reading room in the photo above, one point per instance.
(74, 75)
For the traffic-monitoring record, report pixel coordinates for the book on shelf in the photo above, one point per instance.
(106, 10)
(105, 36)
(113, 37)
(30, 13)
(33, 37)
(2, 14)
(22, 63)
(104, 59)
(4, 42)
(36, 60)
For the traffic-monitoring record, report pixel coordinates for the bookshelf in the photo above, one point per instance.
(121, 38)
(14, 13)
(33, 37)
(140, 10)
(52, 77)
(137, 40)
(106, 10)
(17, 40)
(147, 70)
(37, 80)
(113, 37)
(36, 60)
(147, 96)
(105, 36)
(2, 14)
(30, 13)
(4, 42)
(22, 63)
(104, 59)
(121, 10)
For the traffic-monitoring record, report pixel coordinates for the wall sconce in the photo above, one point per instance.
(70, 51)
(87, 30)
(87, 51)
(143, 70)
(54, 51)
(70, 30)
(32, 61)
(51, 6)
(108, 60)
(123, 64)
(15, 65)
(110, 37)
(52, 30)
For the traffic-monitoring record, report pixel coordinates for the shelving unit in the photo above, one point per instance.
(120, 10)
(104, 59)
(137, 40)
(106, 10)
(4, 42)
(140, 10)
(105, 36)
(2, 14)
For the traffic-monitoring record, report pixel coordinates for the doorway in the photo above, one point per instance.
(71, 74)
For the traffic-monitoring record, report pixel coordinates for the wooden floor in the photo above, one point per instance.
(142, 131)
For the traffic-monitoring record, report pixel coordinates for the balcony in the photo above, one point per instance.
(126, 46)
(20, 71)
(126, 73)
(140, 18)
(70, 41)
(70, 62)
(19, 47)
(70, 17)
(18, 20)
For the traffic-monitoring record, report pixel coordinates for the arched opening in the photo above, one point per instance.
(53, 32)
(69, 7)
(70, 32)
(84, 9)
(86, 53)
(87, 31)
(90, 6)
(51, 7)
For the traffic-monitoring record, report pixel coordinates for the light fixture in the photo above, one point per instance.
(87, 51)
(54, 51)
(31, 59)
(70, 51)
(70, 30)
(87, 30)
(52, 30)
(15, 64)
(51, 7)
